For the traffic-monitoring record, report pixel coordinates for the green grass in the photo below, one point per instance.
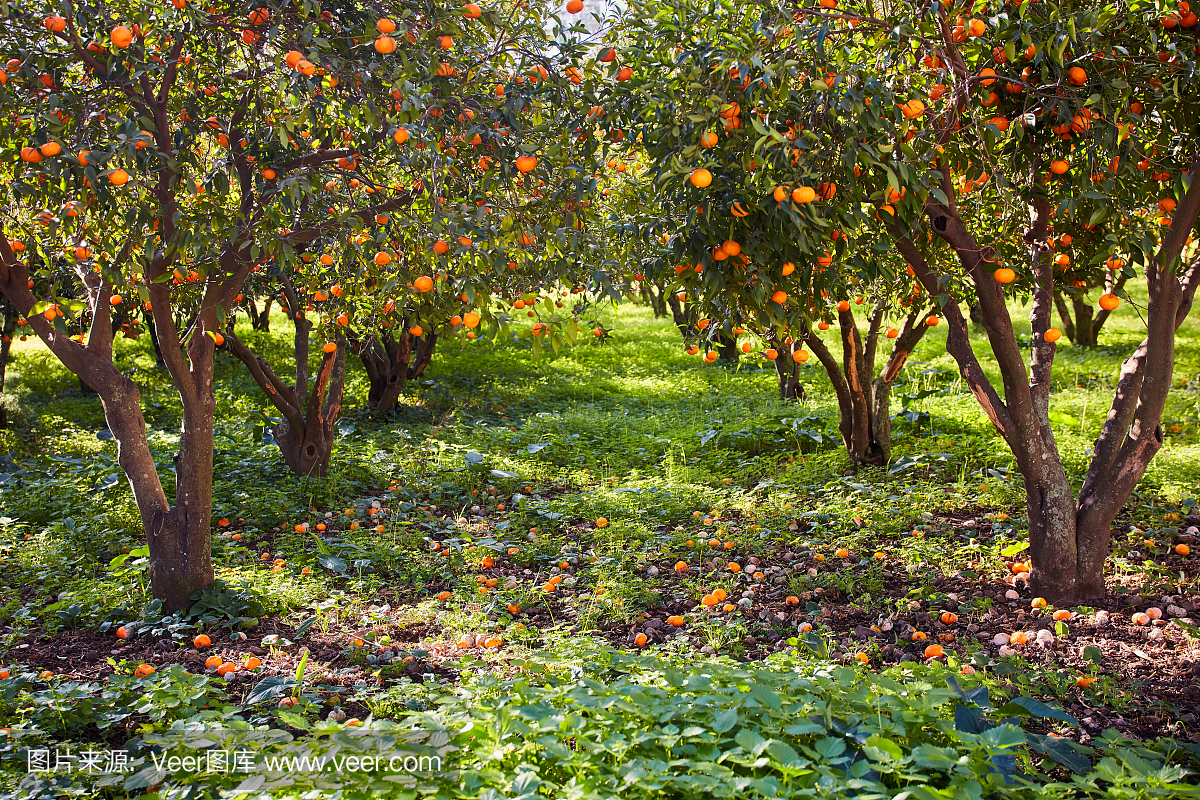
(672, 452)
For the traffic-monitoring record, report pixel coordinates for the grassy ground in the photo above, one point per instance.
(517, 518)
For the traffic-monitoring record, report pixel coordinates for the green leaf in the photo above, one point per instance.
(268, 688)
(1027, 705)
(725, 720)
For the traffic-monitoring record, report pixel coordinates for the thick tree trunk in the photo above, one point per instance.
(180, 540)
(879, 423)
(1050, 504)
(306, 451)
(391, 363)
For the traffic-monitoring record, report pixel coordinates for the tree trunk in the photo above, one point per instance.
(180, 540)
(1068, 538)
(788, 371)
(727, 349)
(683, 314)
(1085, 326)
(260, 320)
(864, 400)
(158, 354)
(8, 326)
(306, 451)
(390, 364)
(879, 422)
(1081, 321)
(656, 296)
(305, 434)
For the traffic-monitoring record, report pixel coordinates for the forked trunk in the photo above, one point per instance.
(864, 399)
(306, 451)
(260, 320)
(656, 295)
(1081, 322)
(305, 434)
(391, 363)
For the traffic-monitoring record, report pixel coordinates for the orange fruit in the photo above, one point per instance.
(202, 640)
(934, 651)
(640, 640)
(121, 36)
(213, 661)
(804, 194)
(700, 178)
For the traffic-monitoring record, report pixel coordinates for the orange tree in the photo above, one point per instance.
(972, 134)
(1060, 115)
(481, 218)
(715, 99)
(163, 152)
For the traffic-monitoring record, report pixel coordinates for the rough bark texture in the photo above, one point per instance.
(1069, 537)
(391, 363)
(305, 434)
(177, 535)
(864, 398)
